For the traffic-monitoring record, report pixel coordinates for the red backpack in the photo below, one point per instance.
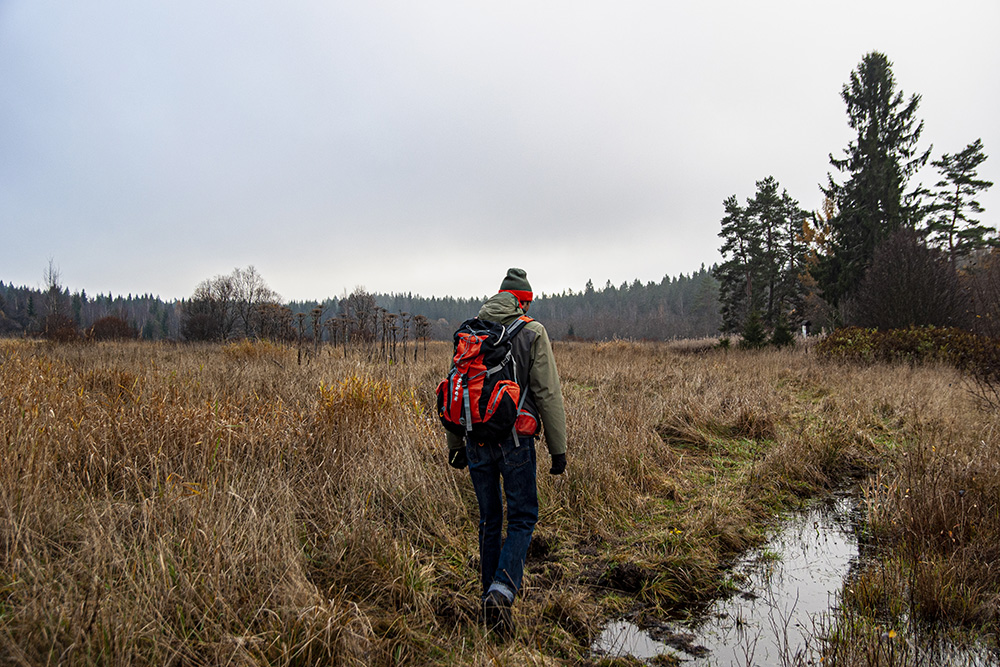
(480, 399)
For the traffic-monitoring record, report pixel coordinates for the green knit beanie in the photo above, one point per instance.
(516, 282)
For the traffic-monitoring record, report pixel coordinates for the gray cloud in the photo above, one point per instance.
(148, 146)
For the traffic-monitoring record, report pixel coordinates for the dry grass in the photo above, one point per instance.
(200, 505)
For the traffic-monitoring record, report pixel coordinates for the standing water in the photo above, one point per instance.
(785, 589)
(789, 585)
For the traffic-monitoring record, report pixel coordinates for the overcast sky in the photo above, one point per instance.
(427, 146)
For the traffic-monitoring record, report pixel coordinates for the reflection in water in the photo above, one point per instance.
(786, 587)
(787, 591)
(621, 638)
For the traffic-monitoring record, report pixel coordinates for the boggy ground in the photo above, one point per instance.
(199, 505)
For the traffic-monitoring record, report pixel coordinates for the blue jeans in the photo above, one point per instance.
(502, 560)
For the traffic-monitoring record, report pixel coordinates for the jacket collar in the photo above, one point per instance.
(501, 308)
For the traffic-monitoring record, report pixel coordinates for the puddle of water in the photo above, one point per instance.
(785, 588)
(621, 638)
(942, 653)
(787, 591)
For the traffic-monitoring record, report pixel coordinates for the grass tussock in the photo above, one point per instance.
(200, 505)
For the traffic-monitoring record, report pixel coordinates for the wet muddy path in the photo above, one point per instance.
(785, 593)
(783, 589)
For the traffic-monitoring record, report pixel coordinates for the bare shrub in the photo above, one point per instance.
(60, 328)
(906, 285)
(112, 327)
(983, 279)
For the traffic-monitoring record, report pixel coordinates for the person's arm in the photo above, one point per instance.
(547, 392)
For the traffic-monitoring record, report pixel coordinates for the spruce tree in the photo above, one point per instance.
(754, 334)
(873, 200)
(782, 335)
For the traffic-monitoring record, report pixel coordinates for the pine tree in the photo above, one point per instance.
(765, 209)
(736, 275)
(765, 256)
(951, 227)
(872, 202)
(795, 257)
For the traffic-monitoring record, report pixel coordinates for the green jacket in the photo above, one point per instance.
(544, 390)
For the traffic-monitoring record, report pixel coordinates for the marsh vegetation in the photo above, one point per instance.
(225, 504)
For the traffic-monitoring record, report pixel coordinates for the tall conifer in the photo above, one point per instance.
(872, 202)
(764, 256)
(738, 291)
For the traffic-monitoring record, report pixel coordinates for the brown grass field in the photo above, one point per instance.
(166, 504)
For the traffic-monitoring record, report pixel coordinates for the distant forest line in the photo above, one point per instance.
(685, 306)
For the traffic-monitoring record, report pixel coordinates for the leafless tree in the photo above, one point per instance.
(53, 290)
(908, 284)
(391, 328)
(317, 327)
(56, 325)
(361, 313)
(982, 275)
(404, 319)
(301, 318)
(240, 303)
(274, 322)
(422, 327)
(250, 290)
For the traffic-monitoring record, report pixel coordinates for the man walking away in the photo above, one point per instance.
(513, 460)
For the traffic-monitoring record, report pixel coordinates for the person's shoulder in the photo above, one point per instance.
(536, 327)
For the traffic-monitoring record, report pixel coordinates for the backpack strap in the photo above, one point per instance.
(520, 403)
(466, 407)
(509, 332)
(515, 326)
(514, 329)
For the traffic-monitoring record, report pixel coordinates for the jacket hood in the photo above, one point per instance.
(500, 308)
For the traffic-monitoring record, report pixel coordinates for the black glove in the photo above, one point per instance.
(457, 458)
(558, 464)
